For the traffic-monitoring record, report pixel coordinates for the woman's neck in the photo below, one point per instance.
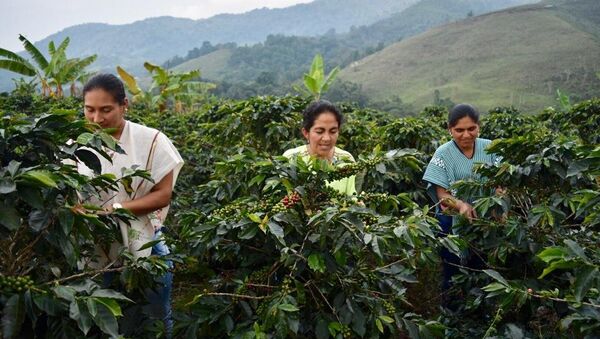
(329, 156)
(467, 151)
(119, 131)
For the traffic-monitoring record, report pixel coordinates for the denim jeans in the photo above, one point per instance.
(448, 258)
(159, 299)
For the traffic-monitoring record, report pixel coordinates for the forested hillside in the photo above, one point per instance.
(157, 39)
(271, 66)
(519, 56)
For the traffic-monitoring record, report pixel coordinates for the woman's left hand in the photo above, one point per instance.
(466, 210)
(500, 191)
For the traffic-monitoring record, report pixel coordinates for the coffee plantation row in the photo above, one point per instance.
(264, 249)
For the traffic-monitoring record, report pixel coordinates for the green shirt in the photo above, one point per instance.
(344, 185)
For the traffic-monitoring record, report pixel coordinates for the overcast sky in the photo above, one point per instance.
(36, 19)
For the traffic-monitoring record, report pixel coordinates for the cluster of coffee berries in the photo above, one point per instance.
(14, 284)
(347, 171)
(261, 276)
(389, 307)
(372, 277)
(376, 198)
(333, 194)
(261, 308)
(263, 205)
(278, 208)
(354, 168)
(228, 211)
(368, 219)
(345, 330)
(285, 286)
(372, 162)
(289, 201)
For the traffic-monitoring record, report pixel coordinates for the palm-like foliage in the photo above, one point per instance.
(15, 63)
(178, 89)
(53, 73)
(315, 81)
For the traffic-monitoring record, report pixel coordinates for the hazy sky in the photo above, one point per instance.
(36, 19)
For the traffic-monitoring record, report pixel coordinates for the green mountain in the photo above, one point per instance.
(424, 15)
(158, 39)
(279, 60)
(519, 56)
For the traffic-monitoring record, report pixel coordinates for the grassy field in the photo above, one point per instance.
(584, 14)
(519, 56)
(211, 65)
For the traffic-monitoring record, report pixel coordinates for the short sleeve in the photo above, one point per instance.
(166, 159)
(295, 152)
(496, 159)
(436, 174)
(289, 153)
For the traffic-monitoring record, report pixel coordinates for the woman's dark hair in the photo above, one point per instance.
(109, 83)
(460, 111)
(315, 109)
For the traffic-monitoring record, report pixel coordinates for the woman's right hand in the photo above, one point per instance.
(466, 210)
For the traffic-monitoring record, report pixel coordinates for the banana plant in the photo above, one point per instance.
(52, 74)
(196, 92)
(62, 70)
(315, 81)
(167, 87)
(15, 63)
(80, 77)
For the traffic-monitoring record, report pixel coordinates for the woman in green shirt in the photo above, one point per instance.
(321, 127)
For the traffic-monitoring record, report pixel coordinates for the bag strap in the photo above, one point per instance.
(148, 166)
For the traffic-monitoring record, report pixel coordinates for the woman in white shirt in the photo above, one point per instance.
(105, 103)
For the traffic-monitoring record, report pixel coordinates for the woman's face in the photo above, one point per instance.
(323, 135)
(102, 108)
(465, 132)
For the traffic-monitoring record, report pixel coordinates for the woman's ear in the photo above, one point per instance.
(305, 133)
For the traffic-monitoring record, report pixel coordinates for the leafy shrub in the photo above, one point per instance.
(294, 258)
(45, 229)
(267, 250)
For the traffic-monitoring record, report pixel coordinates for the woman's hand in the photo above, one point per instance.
(466, 210)
(108, 210)
(450, 201)
(158, 197)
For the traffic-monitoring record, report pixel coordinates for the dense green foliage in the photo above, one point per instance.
(265, 249)
(259, 259)
(45, 229)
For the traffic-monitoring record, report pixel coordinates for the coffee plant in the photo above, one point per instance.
(46, 228)
(263, 248)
